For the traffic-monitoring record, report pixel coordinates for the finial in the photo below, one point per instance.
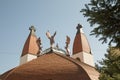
(51, 38)
(79, 28)
(32, 28)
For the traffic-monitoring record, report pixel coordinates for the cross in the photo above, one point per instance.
(79, 26)
(32, 28)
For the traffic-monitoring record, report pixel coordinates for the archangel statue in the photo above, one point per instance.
(39, 45)
(67, 45)
(51, 38)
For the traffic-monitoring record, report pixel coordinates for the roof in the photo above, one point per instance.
(31, 45)
(5, 74)
(53, 66)
(81, 43)
(53, 63)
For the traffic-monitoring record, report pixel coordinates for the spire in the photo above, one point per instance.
(81, 48)
(31, 46)
(80, 42)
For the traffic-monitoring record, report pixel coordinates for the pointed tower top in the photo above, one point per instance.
(31, 46)
(81, 43)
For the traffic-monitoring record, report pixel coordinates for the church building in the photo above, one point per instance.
(54, 63)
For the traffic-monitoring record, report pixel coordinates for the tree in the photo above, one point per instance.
(110, 69)
(106, 14)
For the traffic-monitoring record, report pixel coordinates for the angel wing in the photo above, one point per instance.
(67, 39)
(54, 34)
(48, 34)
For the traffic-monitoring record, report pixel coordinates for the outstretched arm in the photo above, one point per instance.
(54, 34)
(48, 34)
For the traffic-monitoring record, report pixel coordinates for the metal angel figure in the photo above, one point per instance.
(67, 45)
(39, 45)
(51, 38)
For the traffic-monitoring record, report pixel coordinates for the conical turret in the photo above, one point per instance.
(81, 43)
(30, 48)
(81, 47)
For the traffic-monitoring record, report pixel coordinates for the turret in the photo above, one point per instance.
(81, 48)
(31, 48)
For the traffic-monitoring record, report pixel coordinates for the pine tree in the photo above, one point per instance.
(105, 15)
(110, 69)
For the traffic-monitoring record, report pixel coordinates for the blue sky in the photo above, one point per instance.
(16, 16)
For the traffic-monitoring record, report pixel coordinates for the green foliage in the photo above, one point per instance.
(106, 14)
(110, 69)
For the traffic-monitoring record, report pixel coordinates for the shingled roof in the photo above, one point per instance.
(53, 66)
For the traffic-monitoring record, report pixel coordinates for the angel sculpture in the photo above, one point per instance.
(67, 45)
(51, 38)
(39, 45)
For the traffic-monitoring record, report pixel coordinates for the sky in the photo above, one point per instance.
(62, 16)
